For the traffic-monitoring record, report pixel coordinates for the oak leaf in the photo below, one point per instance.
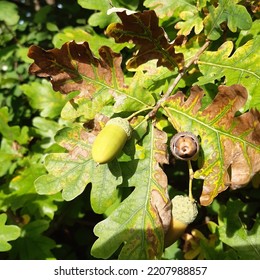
(235, 15)
(169, 9)
(240, 66)
(73, 67)
(8, 233)
(140, 221)
(234, 233)
(100, 82)
(230, 150)
(152, 43)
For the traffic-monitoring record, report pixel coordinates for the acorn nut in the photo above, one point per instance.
(111, 140)
(184, 212)
(184, 146)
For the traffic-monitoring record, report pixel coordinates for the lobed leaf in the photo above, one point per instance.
(229, 145)
(228, 11)
(100, 82)
(191, 20)
(7, 233)
(143, 30)
(233, 232)
(71, 172)
(42, 97)
(241, 67)
(67, 171)
(80, 35)
(99, 18)
(136, 97)
(9, 132)
(142, 218)
(32, 237)
(73, 67)
(168, 9)
(9, 13)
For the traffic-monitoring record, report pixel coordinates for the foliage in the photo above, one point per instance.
(188, 66)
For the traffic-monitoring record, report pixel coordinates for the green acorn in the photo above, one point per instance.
(111, 140)
(184, 212)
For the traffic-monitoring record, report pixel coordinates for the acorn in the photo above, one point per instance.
(185, 146)
(111, 140)
(184, 212)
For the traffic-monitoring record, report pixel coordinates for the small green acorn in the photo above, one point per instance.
(184, 212)
(111, 140)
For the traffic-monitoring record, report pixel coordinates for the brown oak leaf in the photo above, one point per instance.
(75, 68)
(143, 30)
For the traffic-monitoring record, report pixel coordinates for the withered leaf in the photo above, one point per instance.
(143, 30)
(230, 145)
(74, 68)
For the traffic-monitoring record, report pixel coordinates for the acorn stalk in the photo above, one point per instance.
(184, 212)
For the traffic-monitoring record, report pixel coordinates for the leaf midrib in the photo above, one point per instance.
(229, 67)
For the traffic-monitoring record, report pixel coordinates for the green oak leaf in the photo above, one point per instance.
(246, 35)
(138, 223)
(234, 233)
(7, 233)
(24, 196)
(9, 155)
(80, 35)
(13, 133)
(168, 9)
(9, 132)
(105, 180)
(9, 13)
(191, 20)
(32, 237)
(67, 171)
(102, 19)
(87, 108)
(230, 153)
(228, 11)
(47, 129)
(241, 67)
(42, 97)
(136, 97)
(71, 172)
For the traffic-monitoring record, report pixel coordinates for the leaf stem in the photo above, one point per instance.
(178, 78)
(191, 176)
(172, 120)
(144, 120)
(137, 112)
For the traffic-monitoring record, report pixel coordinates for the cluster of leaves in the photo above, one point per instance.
(185, 66)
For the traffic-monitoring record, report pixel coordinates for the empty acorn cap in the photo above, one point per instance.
(183, 209)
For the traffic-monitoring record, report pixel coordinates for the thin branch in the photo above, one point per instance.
(178, 78)
(191, 176)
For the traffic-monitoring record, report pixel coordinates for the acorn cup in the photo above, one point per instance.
(111, 140)
(184, 212)
(185, 146)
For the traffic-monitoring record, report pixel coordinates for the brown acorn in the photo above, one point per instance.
(185, 146)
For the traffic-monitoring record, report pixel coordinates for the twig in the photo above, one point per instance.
(191, 175)
(177, 79)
